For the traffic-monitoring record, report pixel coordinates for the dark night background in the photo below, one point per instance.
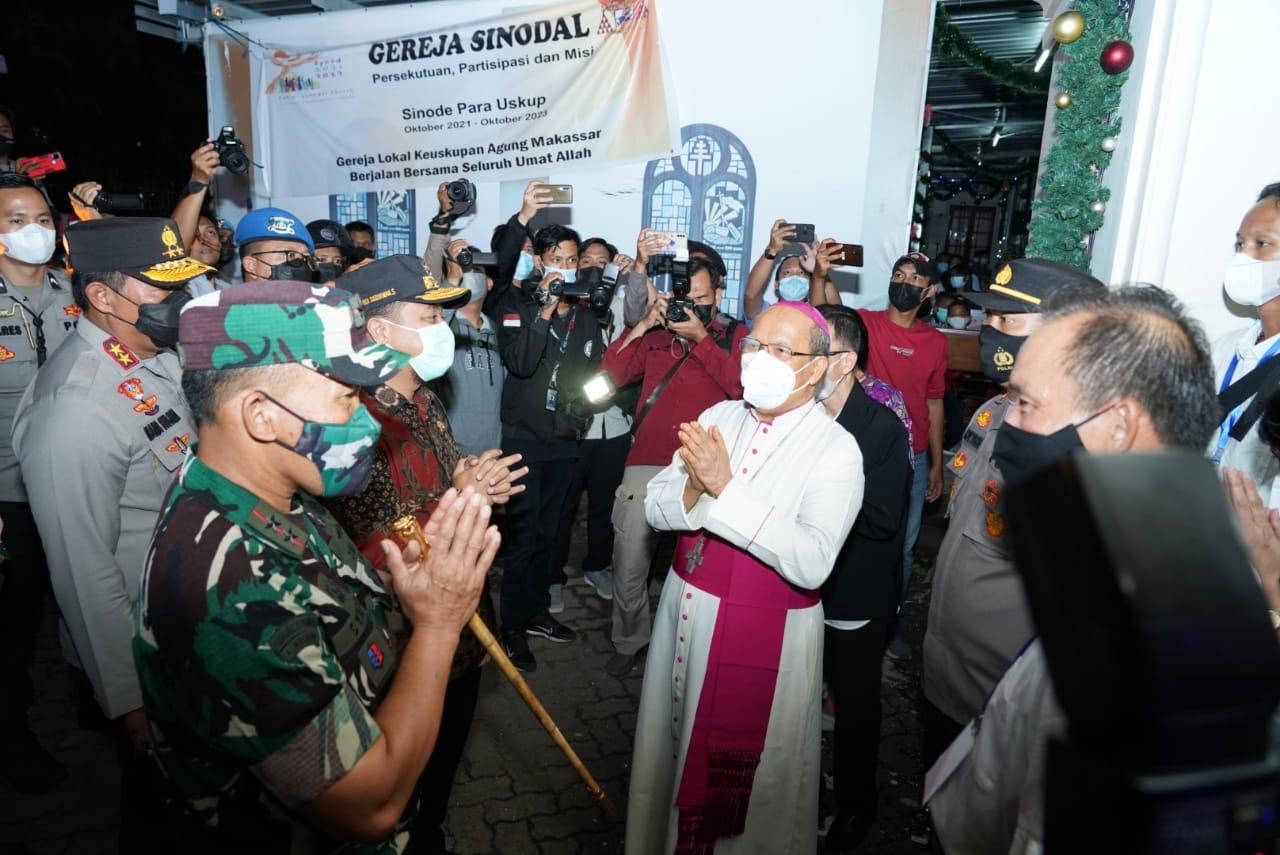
(125, 108)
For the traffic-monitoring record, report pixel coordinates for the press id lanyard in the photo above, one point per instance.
(1224, 430)
(552, 393)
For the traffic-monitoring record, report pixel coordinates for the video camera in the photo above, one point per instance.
(1162, 657)
(231, 152)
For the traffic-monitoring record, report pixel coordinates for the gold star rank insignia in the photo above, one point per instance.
(120, 353)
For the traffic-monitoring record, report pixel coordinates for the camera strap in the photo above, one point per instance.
(657, 390)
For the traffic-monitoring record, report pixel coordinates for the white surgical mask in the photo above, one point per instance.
(475, 282)
(767, 381)
(33, 243)
(831, 380)
(1251, 282)
(436, 357)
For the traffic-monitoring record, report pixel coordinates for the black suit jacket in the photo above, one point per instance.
(866, 582)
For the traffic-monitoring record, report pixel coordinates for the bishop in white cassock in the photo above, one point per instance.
(765, 491)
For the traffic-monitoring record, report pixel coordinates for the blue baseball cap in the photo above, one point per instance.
(272, 224)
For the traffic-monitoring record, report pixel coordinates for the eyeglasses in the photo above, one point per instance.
(778, 351)
(290, 256)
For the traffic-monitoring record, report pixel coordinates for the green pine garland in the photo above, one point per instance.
(1069, 183)
(950, 43)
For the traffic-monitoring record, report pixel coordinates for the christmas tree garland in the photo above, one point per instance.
(1092, 67)
(949, 42)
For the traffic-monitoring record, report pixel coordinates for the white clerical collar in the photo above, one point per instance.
(791, 417)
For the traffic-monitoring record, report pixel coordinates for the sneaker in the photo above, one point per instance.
(601, 581)
(556, 594)
(549, 628)
(516, 646)
(899, 650)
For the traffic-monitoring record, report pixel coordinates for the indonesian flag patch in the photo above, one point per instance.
(511, 320)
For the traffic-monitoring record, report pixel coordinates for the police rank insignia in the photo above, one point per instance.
(6, 354)
(132, 389)
(991, 493)
(995, 524)
(119, 352)
(73, 310)
(960, 460)
(172, 247)
(984, 419)
(179, 444)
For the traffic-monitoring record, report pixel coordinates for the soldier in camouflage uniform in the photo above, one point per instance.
(417, 459)
(275, 671)
(978, 618)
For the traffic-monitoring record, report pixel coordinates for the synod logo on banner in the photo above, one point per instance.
(521, 95)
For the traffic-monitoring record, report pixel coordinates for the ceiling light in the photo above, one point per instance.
(1044, 57)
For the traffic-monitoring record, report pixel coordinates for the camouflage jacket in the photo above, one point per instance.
(264, 642)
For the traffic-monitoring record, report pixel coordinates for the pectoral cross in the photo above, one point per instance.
(693, 558)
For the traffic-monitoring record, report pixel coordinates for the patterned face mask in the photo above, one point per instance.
(342, 452)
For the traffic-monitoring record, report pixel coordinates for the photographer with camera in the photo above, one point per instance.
(551, 348)
(686, 361)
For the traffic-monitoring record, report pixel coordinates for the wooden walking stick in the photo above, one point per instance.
(407, 530)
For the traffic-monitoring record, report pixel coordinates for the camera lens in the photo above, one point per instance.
(465, 258)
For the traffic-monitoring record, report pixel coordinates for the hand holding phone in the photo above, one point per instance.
(850, 255)
(802, 233)
(41, 165)
(675, 244)
(561, 194)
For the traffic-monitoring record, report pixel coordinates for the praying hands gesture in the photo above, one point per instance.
(1260, 530)
(706, 457)
(491, 475)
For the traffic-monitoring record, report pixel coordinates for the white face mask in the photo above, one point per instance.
(32, 243)
(436, 357)
(476, 283)
(767, 381)
(1251, 282)
(831, 380)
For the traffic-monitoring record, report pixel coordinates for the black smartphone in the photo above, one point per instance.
(803, 233)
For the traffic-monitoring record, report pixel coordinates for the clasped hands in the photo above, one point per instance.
(706, 457)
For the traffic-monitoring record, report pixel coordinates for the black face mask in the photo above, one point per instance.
(159, 321)
(905, 297)
(361, 254)
(704, 314)
(998, 350)
(327, 271)
(1020, 454)
(227, 253)
(298, 270)
(6, 145)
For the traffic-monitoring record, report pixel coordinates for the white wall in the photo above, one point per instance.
(833, 130)
(1199, 142)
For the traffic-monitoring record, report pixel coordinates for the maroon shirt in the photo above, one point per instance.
(710, 375)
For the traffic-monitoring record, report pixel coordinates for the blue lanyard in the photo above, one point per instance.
(1224, 430)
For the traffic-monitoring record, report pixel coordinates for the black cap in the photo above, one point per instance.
(922, 264)
(330, 233)
(147, 248)
(1024, 284)
(713, 257)
(398, 278)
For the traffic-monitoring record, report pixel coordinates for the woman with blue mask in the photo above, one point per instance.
(415, 461)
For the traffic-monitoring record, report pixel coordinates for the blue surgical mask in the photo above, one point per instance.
(957, 281)
(436, 357)
(523, 267)
(793, 288)
(570, 275)
(942, 266)
(940, 315)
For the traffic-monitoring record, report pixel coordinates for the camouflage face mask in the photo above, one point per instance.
(343, 453)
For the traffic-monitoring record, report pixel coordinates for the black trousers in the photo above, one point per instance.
(937, 731)
(851, 663)
(26, 582)
(436, 782)
(599, 472)
(532, 520)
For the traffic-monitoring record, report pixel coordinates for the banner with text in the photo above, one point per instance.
(515, 96)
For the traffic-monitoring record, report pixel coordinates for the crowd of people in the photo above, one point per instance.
(211, 435)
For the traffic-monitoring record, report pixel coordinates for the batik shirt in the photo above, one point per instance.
(411, 471)
(264, 643)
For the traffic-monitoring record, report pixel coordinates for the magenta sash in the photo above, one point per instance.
(732, 718)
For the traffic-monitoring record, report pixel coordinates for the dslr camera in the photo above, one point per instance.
(231, 152)
(554, 291)
(597, 285)
(460, 190)
(679, 306)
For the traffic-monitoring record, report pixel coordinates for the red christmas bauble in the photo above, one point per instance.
(1116, 57)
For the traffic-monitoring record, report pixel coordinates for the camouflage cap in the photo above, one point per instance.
(274, 323)
(398, 278)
